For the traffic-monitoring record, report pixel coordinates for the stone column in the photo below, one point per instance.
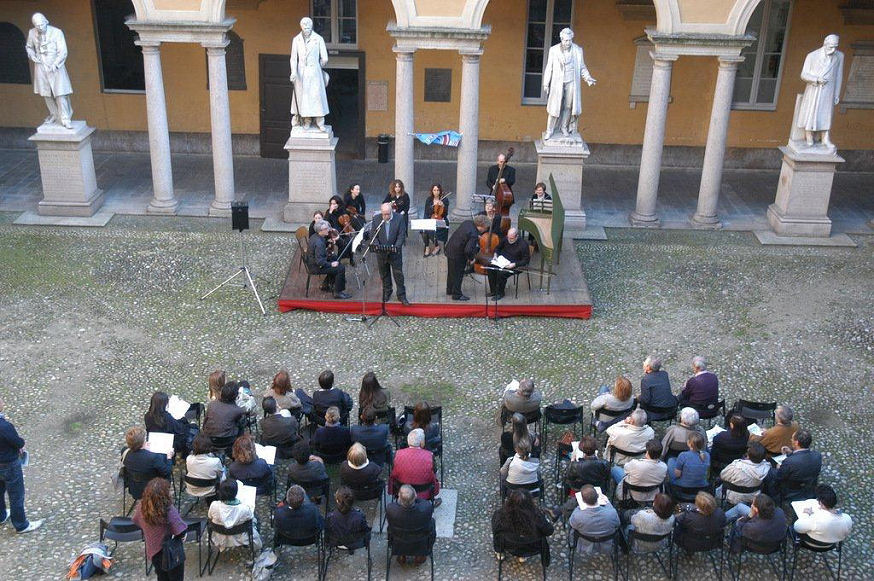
(653, 142)
(220, 116)
(465, 181)
(714, 153)
(404, 118)
(163, 201)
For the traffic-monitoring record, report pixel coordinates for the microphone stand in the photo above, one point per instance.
(382, 311)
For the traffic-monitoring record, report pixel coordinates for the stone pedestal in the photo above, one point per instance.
(563, 157)
(312, 173)
(801, 205)
(66, 166)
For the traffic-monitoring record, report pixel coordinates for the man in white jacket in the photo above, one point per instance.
(748, 472)
(561, 85)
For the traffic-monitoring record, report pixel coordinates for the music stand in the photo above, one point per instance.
(379, 250)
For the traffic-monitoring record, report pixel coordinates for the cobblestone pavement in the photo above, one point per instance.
(94, 320)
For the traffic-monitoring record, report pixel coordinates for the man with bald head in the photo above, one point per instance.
(390, 236)
(514, 249)
(508, 176)
(47, 48)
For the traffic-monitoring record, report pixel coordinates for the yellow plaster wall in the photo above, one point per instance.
(705, 11)
(450, 8)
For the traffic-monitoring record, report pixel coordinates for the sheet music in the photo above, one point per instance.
(602, 499)
(500, 261)
(160, 442)
(177, 407)
(755, 430)
(808, 506)
(246, 494)
(267, 453)
(712, 432)
(356, 242)
(779, 459)
(426, 224)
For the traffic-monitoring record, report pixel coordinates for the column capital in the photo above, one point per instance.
(150, 46)
(216, 45)
(730, 62)
(470, 55)
(662, 60)
(403, 53)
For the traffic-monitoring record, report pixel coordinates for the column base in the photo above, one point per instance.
(642, 221)
(312, 173)
(803, 192)
(163, 207)
(563, 159)
(705, 222)
(220, 209)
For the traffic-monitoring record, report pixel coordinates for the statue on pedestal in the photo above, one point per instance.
(561, 85)
(823, 72)
(47, 49)
(308, 55)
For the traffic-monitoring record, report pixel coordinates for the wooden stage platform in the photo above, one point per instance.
(425, 279)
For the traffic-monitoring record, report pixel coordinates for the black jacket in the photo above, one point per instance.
(304, 522)
(145, 465)
(509, 176)
(464, 242)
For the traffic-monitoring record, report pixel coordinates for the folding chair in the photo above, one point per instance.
(768, 550)
(562, 417)
(284, 538)
(532, 417)
(707, 412)
(409, 542)
(755, 411)
(535, 488)
(333, 546)
(687, 493)
(665, 414)
(708, 544)
(613, 450)
(121, 529)
(614, 553)
(315, 488)
(194, 532)
(436, 415)
(186, 481)
(615, 416)
(419, 488)
(728, 486)
(522, 547)
(628, 499)
(212, 528)
(375, 491)
(634, 537)
(804, 542)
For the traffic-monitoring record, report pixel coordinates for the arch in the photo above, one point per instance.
(180, 10)
(688, 16)
(409, 14)
(14, 67)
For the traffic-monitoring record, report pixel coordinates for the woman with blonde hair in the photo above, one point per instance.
(158, 518)
(617, 399)
(358, 471)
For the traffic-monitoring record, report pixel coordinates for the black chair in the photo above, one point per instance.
(194, 533)
(139, 477)
(804, 542)
(186, 480)
(562, 417)
(665, 414)
(687, 493)
(627, 500)
(245, 528)
(535, 488)
(532, 417)
(722, 456)
(789, 490)
(313, 489)
(374, 491)
(332, 546)
(303, 247)
(386, 416)
(614, 553)
(223, 446)
(676, 448)
(195, 412)
(708, 412)
(768, 550)
(755, 411)
(519, 546)
(613, 450)
(728, 486)
(419, 488)
(121, 529)
(436, 415)
(409, 542)
(383, 457)
(614, 415)
(705, 544)
(633, 537)
(289, 539)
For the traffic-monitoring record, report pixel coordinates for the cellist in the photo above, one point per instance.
(462, 247)
(436, 208)
(494, 218)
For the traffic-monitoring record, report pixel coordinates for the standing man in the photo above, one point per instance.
(47, 48)
(514, 249)
(561, 85)
(461, 248)
(391, 236)
(823, 72)
(11, 477)
(318, 258)
(508, 177)
(308, 56)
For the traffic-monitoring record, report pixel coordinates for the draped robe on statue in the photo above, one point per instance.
(310, 82)
(818, 101)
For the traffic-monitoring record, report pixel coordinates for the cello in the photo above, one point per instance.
(488, 243)
(503, 194)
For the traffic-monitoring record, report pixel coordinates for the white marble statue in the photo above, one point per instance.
(561, 84)
(308, 55)
(47, 48)
(823, 72)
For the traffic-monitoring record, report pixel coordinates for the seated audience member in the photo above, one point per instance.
(523, 399)
(701, 389)
(646, 471)
(278, 430)
(224, 417)
(594, 520)
(521, 468)
(229, 512)
(282, 393)
(201, 463)
(692, 466)
(244, 399)
(695, 522)
(158, 419)
(657, 520)
(296, 517)
(827, 524)
(346, 526)
(159, 519)
(372, 397)
(618, 400)
(216, 380)
(422, 419)
(655, 388)
(797, 475)
(144, 464)
(374, 437)
(307, 467)
(357, 471)
(522, 524)
(330, 396)
(748, 472)
(729, 445)
(519, 432)
(765, 524)
(585, 466)
(415, 465)
(780, 434)
(674, 440)
(333, 439)
(412, 515)
(630, 435)
(248, 468)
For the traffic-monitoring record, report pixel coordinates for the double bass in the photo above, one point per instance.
(503, 194)
(488, 243)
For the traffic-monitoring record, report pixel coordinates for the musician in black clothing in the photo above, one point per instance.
(514, 249)
(492, 216)
(319, 259)
(508, 177)
(540, 194)
(317, 217)
(399, 199)
(354, 199)
(462, 247)
(391, 236)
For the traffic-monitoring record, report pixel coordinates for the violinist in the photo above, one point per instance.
(436, 208)
(462, 247)
(399, 200)
(317, 217)
(514, 249)
(320, 260)
(342, 223)
(492, 217)
(507, 177)
(353, 199)
(335, 210)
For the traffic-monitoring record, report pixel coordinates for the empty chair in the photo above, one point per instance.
(121, 529)
(755, 411)
(563, 414)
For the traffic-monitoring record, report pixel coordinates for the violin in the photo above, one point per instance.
(439, 210)
(346, 222)
(331, 243)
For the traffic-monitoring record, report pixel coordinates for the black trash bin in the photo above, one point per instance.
(382, 143)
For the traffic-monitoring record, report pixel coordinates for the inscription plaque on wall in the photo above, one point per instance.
(377, 95)
(438, 85)
(641, 79)
(859, 93)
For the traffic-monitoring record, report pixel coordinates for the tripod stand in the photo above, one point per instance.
(379, 250)
(242, 270)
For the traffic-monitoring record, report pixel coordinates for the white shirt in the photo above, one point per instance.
(825, 526)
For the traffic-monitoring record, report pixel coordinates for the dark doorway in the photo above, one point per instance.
(345, 102)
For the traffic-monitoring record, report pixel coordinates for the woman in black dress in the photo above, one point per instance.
(353, 198)
(436, 199)
(399, 199)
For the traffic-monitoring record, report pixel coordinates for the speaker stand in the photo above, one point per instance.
(244, 269)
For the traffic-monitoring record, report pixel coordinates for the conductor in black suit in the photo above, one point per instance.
(393, 235)
(462, 247)
(508, 177)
